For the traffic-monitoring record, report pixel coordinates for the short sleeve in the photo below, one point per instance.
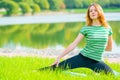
(110, 31)
(83, 31)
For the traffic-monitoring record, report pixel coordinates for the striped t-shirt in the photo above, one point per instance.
(96, 38)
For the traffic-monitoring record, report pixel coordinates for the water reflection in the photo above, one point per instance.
(45, 35)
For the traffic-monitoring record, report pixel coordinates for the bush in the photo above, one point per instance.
(42, 3)
(35, 8)
(11, 7)
(55, 4)
(25, 7)
(70, 4)
(25, 1)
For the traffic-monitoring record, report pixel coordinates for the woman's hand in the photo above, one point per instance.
(57, 61)
(69, 48)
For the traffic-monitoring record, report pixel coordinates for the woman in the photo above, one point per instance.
(98, 37)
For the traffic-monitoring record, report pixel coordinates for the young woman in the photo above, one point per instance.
(98, 37)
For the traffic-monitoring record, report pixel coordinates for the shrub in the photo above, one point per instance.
(11, 7)
(25, 8)
(55, 4)
(42, 3)
(35, 8)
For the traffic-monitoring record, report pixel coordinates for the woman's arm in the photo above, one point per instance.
(72, 45)
(109, 44)
(69, 48)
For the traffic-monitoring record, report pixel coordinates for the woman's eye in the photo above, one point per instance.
(90, 10)
(95, 10)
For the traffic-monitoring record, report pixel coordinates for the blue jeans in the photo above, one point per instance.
(80, 61)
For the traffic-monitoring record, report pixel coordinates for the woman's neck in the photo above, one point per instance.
(96, 23)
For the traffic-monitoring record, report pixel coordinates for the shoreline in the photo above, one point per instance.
(52, 53)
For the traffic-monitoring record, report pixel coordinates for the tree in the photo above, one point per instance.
(78, 3)
(35, 8)
(55, 4)
(25, 7)
(42, 3)
(115, 3)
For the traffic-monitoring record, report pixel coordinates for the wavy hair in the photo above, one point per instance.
(101, 16)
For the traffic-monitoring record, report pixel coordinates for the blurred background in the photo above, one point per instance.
(33, 25)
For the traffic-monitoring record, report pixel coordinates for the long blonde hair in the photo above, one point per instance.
(101, 16)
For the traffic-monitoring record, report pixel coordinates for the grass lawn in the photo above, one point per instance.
(23, 68)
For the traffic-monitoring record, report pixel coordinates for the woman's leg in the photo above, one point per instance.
(81, 61)
(101, 67)
(70, 63)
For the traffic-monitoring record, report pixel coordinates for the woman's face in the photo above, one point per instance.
(93, 13)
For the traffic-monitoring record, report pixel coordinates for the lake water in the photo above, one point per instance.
(52, 18)
(55, 36)
(41, 36)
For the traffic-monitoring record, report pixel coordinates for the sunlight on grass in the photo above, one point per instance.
(24, 68)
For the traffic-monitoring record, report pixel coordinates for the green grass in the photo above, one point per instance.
(22, 68)
(84, 10)
(3, 13)
(112, 10)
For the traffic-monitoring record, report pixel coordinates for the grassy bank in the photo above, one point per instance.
(23, 68)
(84, 10)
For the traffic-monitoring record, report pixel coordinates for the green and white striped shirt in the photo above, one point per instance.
(96, 38)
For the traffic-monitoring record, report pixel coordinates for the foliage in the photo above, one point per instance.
(104, 3)
(11, 7)
(43, 4)
(25, 1)
(35, 8)
(55, 4)
(114, 3)
(25, 8)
